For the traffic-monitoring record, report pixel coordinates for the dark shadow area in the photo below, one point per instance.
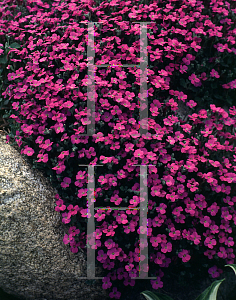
(5, 296)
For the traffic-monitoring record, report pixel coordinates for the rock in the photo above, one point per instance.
(34, 262)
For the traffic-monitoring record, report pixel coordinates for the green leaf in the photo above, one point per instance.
(233, 266)
(3, 59)
(155, 296)
(15, 45)
(182, 82)
(224, 65)
(211, 292)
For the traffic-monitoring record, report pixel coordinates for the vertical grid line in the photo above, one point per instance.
(90, 224)
(143, 264)
(91, 85)
(143, 110)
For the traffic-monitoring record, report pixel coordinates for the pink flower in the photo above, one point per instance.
(113, 253)
(60, 205)
(174, 233)
(74, 247)
(166, 247)
(191, 103)
(169, 180)
(66, 217)
(28, 151)
(222, 253)
(73, 210)
(177, 211)
(101, 256)
(159, 258)
(157, 283)
(209, 242)
(100, 215)
(109, 244)
(129, 267)
(206, 221)
(121, 274)
(214, 73)
(155, 241)
(129, 281)
(139, 153)
(115, 293)
(106, 283)
(68, 238)
(214, 272)
(162, 208)
(184, 255)
(73, 231)
(196, 238)
(66, 182)
(213, 209)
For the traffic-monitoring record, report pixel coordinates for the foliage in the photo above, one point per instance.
(209, 294)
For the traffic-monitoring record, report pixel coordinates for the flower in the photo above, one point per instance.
(106, 283)
(213, 271)
(115, 294)
(157, 283)
(184, 254)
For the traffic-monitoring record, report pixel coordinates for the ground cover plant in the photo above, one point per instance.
(209, 294)
(191, 207)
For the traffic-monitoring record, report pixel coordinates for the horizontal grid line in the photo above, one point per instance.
(118, 208)
(129, 65)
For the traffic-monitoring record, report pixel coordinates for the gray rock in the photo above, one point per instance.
(34, 262)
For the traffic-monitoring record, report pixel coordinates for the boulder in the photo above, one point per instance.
(34, 262)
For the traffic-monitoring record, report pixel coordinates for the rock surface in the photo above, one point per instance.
(34, 262)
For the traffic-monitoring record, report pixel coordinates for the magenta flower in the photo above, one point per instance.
(121, 273)
(106, 283)
(222, 253)
(209, 242)
(157, 283)
(73, 210)
(100, 215)
(68, 238)
(159, 258)
(66, 217)
(155, 241)
(214, 272)
(115, 294)
(138, 153)
(184, 255)
(74, 247)
(109, 244)
(28, 151)
(162, 208)
(213, 209)
(60, 205)
(214, 73)
(113, 253)
(129, 281)
(73, 230)
(196, 238)
(66, 182)
(166, 247)
(101, 256)
(129, 267)
(174, 233)
(206, 221)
